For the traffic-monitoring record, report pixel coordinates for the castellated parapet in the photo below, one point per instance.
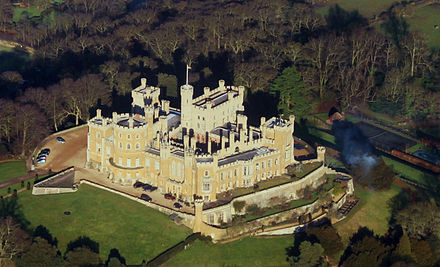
(205, 148)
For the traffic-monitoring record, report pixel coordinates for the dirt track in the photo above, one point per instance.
(71, 153)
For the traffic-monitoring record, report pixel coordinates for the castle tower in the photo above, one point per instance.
(198, 215)
(320, 151)
(186, 95)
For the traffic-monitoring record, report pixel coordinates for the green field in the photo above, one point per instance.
(423, 20)
(113, 221)
(27, 12)
(12, 169)
(366, 8)
(372, 211)
(249, 251)
(410, 172)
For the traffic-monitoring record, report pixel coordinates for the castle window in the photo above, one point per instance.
(98, 147)
(206, 187)
(222, 177)
(223, 187)
(263, 175)
(108, 151)
(137, 162)
(120, 145)
(235, 172)
(128, 147)
(262, 165)
(147, 162)
(276, 161)
(128, 162)
(128, 136)
(269, 163)
(98, 135)
(230, 174)
(245, 170)
(120, 161)
(206, 173)
(137, 146)
(137, 136)
(229, 185)
(257, 166)
(120, 135)
(157, 165)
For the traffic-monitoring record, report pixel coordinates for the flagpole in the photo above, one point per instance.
(187, 74)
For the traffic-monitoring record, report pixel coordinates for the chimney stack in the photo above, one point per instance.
(144, 82)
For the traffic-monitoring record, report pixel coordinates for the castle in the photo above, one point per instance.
(201, 150)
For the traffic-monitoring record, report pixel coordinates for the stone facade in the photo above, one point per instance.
(203, 149)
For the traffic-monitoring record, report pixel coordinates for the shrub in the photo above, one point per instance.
(239, 205)
(253, 209)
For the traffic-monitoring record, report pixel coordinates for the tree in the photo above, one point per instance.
(382, 175)
(310, 255)
(368, 251)
(6, 13)
(322, 55)
(422, 252)
(82, 256)
(329, 239)
(420, 219)
(293, 97)
(41, 254)
(13, 240)
(403, 248)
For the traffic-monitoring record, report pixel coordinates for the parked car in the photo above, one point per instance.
(177, 205)
(45, 151)
(138, 184)
(146, 187)
(146, 197)
(41, 161)
(60, 140)
(41, 157)
(187, 203)
(169, 197)
(153, 188)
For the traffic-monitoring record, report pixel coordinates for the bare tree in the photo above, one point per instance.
(11, 239)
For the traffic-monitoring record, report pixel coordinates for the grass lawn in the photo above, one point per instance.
(423, 20)
(6, 49)
(12, 169)
(372, 211)
(27, 12)
(409, 172)
(249, 251)
(138, 232)
(322, 135)
(366, 8)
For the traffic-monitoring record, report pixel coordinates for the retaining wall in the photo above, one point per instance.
(263, 198)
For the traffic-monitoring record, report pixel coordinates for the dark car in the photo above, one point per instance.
(177, 205)
(146, 187)
(138, 184)
(146, 197)
(153, 188)
(169, 196)
(45, 151)
(60, 140)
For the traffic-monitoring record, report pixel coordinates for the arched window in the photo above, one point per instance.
(137, 146)
(128, 147)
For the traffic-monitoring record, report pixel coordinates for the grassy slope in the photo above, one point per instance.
(372, 211)
(423, 20)
(367, 8)
(12, 169)
(113, 221)
(250, 251)
(409, 172)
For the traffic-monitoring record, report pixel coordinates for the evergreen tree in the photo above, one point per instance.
(310, 255)
(294, 98)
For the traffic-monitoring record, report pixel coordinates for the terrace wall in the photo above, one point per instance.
(263, 198)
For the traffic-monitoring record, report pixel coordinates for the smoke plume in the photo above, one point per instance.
(355, 147)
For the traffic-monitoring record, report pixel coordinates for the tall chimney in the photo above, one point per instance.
(144, 82)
